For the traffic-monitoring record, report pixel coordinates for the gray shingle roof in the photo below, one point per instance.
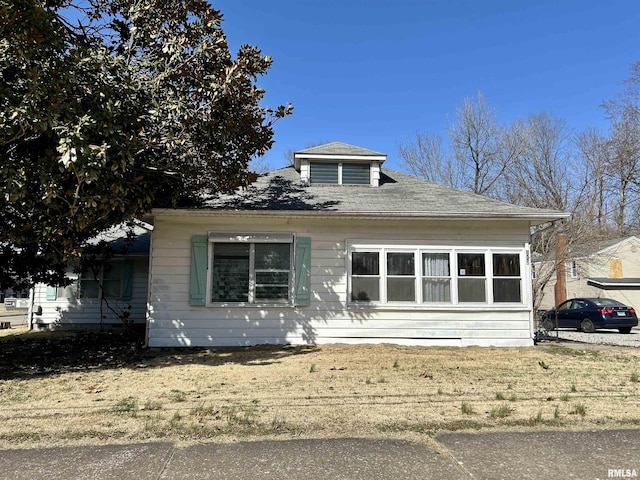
(597, 246)
(399, 195)
(339, 148)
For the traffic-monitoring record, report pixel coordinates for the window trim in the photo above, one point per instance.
(252, 240)
(384, 294)
(573, 269)
(451, 277)
(453, 251)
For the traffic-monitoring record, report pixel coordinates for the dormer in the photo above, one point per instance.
(339, 163)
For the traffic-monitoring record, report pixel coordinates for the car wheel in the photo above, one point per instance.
(625, 329)
(547, 324)
(587, 326)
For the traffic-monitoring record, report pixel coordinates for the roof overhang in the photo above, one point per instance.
(318, 157)
(614, 283)
(533, 219)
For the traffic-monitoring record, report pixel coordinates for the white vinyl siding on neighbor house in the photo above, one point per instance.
(329, 315)
(388, 275)
(124, 286)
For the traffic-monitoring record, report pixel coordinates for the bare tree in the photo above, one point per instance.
(595, 149)
(259, 165)
(425, 157)
(289, 154)
(476, 143)
(540, 175)
(624, 158)
(624, 162)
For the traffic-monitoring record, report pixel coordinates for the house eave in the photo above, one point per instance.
(320, 157)
(614, 283)
(532, 218)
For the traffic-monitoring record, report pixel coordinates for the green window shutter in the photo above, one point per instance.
(303, 272)
(127, 281)
(197, 295)
(51, 292)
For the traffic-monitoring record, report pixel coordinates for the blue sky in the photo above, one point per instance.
(374, 72)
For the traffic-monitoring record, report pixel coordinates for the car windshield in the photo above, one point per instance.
(607, 302)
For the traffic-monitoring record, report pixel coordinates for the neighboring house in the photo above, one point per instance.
(99, 296)
(337, 249)
(608, 268)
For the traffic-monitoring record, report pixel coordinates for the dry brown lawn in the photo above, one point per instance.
(82, 389)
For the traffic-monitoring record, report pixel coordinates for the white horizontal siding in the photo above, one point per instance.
(81, 311)
(173, 322)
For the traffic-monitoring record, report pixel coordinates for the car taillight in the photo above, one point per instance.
(632, 311)
(605, 311)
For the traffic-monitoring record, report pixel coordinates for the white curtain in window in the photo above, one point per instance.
(436, 264)
(436, 289)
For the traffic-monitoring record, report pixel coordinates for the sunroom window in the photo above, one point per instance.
(436, 278)
(471, 278)
(401, 277)
(506, 277)
(365, 277)
(417, 275)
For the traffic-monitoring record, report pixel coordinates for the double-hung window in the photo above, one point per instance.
(401, 277)
(506, 277)
(365, 276)
(251, 270)
(436, 277)
(112, 281)
(472, 279)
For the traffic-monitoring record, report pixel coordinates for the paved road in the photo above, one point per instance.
(473, 456)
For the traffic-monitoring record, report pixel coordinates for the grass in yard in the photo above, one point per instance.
(91, 388)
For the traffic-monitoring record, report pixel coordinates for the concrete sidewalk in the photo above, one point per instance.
(508, 455)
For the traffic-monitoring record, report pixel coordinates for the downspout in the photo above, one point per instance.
(528, 291)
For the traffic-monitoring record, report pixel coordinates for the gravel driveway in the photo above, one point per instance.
(601, 337)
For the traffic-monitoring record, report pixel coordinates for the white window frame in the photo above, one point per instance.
(423, 276)
(252, 240)
(381, 270)
(385, 276)
(453, 252)
(507, 277)
(574, 269)
(487, 277)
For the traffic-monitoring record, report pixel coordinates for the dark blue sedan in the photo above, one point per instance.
(589, 314)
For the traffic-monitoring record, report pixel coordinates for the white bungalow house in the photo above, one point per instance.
(337, 248)
(608, 268)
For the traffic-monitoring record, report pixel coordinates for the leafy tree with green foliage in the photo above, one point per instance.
(111, 107)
